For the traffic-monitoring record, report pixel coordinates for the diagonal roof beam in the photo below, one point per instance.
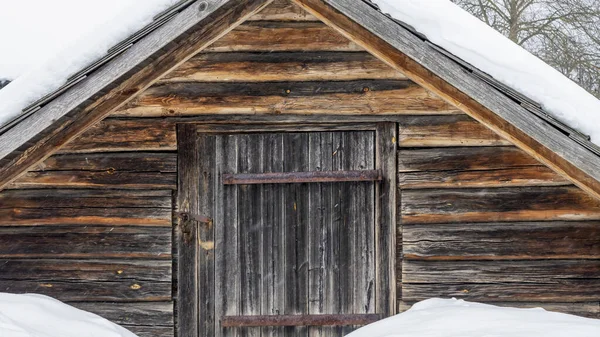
(113, 85)
(402, 50)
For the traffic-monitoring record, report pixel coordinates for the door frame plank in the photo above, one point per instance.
(192, 164)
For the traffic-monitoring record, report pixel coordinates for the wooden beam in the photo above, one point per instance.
(107, 89)
(402, 50)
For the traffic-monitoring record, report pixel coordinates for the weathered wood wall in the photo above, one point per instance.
(478, 218)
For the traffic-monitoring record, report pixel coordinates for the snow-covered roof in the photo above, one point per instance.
(458, 318)
(33, 315)
(465, 36)
(56, 69)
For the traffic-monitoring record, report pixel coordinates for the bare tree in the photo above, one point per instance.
(563, 33)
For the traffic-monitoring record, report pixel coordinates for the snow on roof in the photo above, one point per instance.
(41, 316)
(458, 318)
(54, 72)
(465, 36)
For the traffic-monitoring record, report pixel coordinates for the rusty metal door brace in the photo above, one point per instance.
(300, 320)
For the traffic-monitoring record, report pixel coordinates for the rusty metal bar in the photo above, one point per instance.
(301, 177)
(299, 320)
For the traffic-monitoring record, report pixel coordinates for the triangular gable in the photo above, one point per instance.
(111, 87)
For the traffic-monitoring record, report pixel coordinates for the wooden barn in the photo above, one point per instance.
(292, 168)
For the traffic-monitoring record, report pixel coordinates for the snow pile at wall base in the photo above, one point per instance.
(458, 318)
(465, 36)
(41, 316)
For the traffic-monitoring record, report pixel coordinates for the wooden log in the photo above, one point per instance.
(105, 170)
(85, 242)
(463, 159)
(95, 179)
(68, 198)
(117, 162)
(535, 272)
(586, 309)
(282, 10)
(444, 131)
(502, 241)
(507, 177)
(132, 216)
(472, 167)
(92, 290)
(146, 314)
(63, 270)
(112, 135)
(498, 204)
(283, 36)
(339, 97)
(282, 67)
(567, 291)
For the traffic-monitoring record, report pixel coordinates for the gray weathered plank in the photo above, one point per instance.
(472, 167)
(227, 253)
(296, 210)
(250, 230)
(385, 215)
(273, 244)
(68, 270)
(498, 204)
(186, 234)
(96, 242)
(503, 241)
(525, 271)
(132, 314)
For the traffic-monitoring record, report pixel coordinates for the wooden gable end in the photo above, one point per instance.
(477, 217)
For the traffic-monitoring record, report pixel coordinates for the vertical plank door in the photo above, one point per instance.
(293, 224)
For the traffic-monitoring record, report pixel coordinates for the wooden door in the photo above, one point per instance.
(285, 232)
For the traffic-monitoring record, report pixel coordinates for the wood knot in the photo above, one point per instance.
(203, 6)
(119, 272)
(288, 91)
(111, 170)
(136, 286)
(366, 89)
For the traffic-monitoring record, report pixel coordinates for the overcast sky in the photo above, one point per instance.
(32, 30)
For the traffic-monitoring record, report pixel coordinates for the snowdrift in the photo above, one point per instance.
(457, 318)
(41, 316)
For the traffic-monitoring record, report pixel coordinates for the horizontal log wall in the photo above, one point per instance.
(483, 221)
(478, 218)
